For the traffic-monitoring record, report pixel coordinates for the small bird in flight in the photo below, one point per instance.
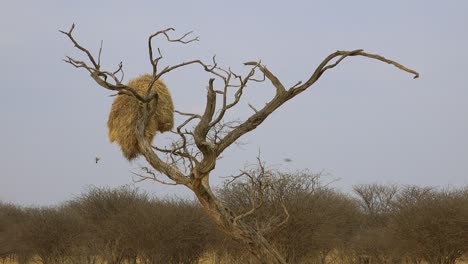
(287, 160)
(97, 159)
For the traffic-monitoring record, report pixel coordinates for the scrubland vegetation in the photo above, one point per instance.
(374, 224)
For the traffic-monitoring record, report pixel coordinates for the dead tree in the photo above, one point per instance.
(189, 159)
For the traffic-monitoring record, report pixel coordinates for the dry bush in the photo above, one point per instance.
(8, 216)
(126, 225)
(12, 244)
(432, 224)
(104, 225)
(127, 110)
(50, 234)
(111, 215)
(321, 219)
(411, 224)
(172, 231)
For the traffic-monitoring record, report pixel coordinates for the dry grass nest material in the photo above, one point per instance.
(126, 111)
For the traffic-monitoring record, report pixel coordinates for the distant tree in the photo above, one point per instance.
(377, 201)
(191, 158)
(374, 242)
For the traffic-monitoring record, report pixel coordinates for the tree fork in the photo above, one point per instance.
(237, 229)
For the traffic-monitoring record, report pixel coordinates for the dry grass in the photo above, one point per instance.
(212, 259)
(126, 111)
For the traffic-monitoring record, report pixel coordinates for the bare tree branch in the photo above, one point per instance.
(274, 80)
(78, 46)
(237, 96)
(256, 181)
(152, 177)
(285, 220)
(343, 54)
(283, 95)
(145, 147)
(100, 77)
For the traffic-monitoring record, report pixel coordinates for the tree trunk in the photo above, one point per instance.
(224, 218)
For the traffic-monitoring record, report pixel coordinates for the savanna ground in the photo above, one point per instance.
(212, 259)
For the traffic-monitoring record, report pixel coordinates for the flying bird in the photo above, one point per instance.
(97, 159)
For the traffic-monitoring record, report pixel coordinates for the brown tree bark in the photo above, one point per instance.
(226, 220)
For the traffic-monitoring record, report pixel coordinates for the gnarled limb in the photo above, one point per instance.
(282, 95)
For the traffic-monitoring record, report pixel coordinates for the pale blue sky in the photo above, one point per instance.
(362, 122)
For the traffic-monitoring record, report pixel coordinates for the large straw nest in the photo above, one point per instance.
(126, 111)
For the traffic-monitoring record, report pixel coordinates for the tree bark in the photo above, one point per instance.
(225, 219)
